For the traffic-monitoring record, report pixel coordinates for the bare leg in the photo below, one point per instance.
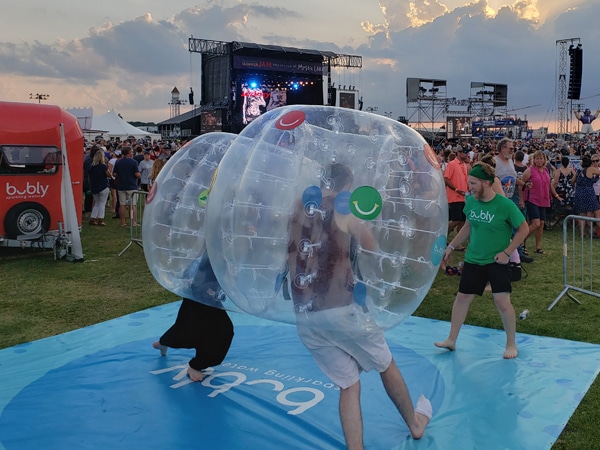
(539, 233)
(396, 389)
(533, 226)
(507, 312)
(351, 416)
(123, 215)
(459, 314)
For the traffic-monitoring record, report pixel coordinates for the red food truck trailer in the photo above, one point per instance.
(41, 176)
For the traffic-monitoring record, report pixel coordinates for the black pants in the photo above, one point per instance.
(88, 201)
(209, 330)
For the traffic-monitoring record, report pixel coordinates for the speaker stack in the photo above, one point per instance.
(575, 70)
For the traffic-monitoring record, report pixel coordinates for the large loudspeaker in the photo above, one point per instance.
(412, 89)
(575, 70)
(500, 95)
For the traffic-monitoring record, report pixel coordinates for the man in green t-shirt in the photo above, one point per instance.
(490, 222)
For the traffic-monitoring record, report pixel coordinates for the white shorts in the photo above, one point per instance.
(342, 345)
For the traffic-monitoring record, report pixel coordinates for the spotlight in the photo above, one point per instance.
(253, 84)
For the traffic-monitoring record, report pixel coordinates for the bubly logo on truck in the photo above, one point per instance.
(30, 190)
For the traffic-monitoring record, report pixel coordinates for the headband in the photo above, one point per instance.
(478, 172)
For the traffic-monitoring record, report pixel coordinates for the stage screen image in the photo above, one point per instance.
(256, 99)
(347, 99)
(457, 127)
(211, 121)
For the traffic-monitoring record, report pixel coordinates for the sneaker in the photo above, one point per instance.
(526, 259)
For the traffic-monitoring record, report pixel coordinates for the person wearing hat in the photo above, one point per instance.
(586, 120)
(490, 221)
(455, 178)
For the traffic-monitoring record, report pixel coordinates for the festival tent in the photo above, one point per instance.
(113, 126)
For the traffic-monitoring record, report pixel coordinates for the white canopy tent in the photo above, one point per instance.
(113, 126)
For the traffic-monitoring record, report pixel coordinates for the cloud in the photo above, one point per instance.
(134, 64)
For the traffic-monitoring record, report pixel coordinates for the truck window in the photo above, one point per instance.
(28, 159)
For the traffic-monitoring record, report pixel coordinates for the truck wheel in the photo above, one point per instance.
(27, 218)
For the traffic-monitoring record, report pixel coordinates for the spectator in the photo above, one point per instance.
(455, 177)
(156, 168)
(563, 188)
(145, 167)
(127, 174)
(99, 175)
(537, 180)
(585, 202)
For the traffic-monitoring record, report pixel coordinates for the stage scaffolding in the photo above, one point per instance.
(426, 103)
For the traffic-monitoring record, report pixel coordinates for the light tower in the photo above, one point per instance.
(175, 103)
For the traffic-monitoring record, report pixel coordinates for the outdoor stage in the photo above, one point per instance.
(105, 387)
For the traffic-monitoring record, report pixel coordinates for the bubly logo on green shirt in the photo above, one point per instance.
(481, 216)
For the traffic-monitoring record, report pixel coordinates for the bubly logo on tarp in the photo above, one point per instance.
(30, 190)
(309, 389)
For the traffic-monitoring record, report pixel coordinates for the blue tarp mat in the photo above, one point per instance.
(105, 387)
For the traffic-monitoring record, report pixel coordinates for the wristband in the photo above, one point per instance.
(451, 246)
(505, 253)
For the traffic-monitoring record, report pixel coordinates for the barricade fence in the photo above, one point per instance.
(581, 258)
(136, 215)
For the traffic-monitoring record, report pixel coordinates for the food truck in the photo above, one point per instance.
(41, 175)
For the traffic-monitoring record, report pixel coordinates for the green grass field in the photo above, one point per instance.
(41, 297)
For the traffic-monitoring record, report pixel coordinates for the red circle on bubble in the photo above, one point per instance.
(290, 120)
(432, 157)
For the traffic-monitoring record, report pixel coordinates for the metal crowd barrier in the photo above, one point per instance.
(581, 258)
(135, 222)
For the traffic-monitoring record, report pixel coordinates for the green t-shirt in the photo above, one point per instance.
(492, 224)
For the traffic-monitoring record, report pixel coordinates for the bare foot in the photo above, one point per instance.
(511, 352)
(447, 344)
(423, 413)
(195, 375)
(158, 346)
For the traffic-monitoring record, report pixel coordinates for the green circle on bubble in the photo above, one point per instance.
(365, 203)
(203, 197)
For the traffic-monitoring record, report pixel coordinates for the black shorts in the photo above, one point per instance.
(536, 212)
(456, 213)
(474, 278)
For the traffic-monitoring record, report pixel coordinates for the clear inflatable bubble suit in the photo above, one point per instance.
(318, 207)
(173, 229)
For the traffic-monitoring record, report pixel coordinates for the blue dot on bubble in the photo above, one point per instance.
(341, 203)
(312, 194)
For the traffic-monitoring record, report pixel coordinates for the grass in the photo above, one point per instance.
(41, 297)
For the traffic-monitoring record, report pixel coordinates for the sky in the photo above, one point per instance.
(127, 55)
